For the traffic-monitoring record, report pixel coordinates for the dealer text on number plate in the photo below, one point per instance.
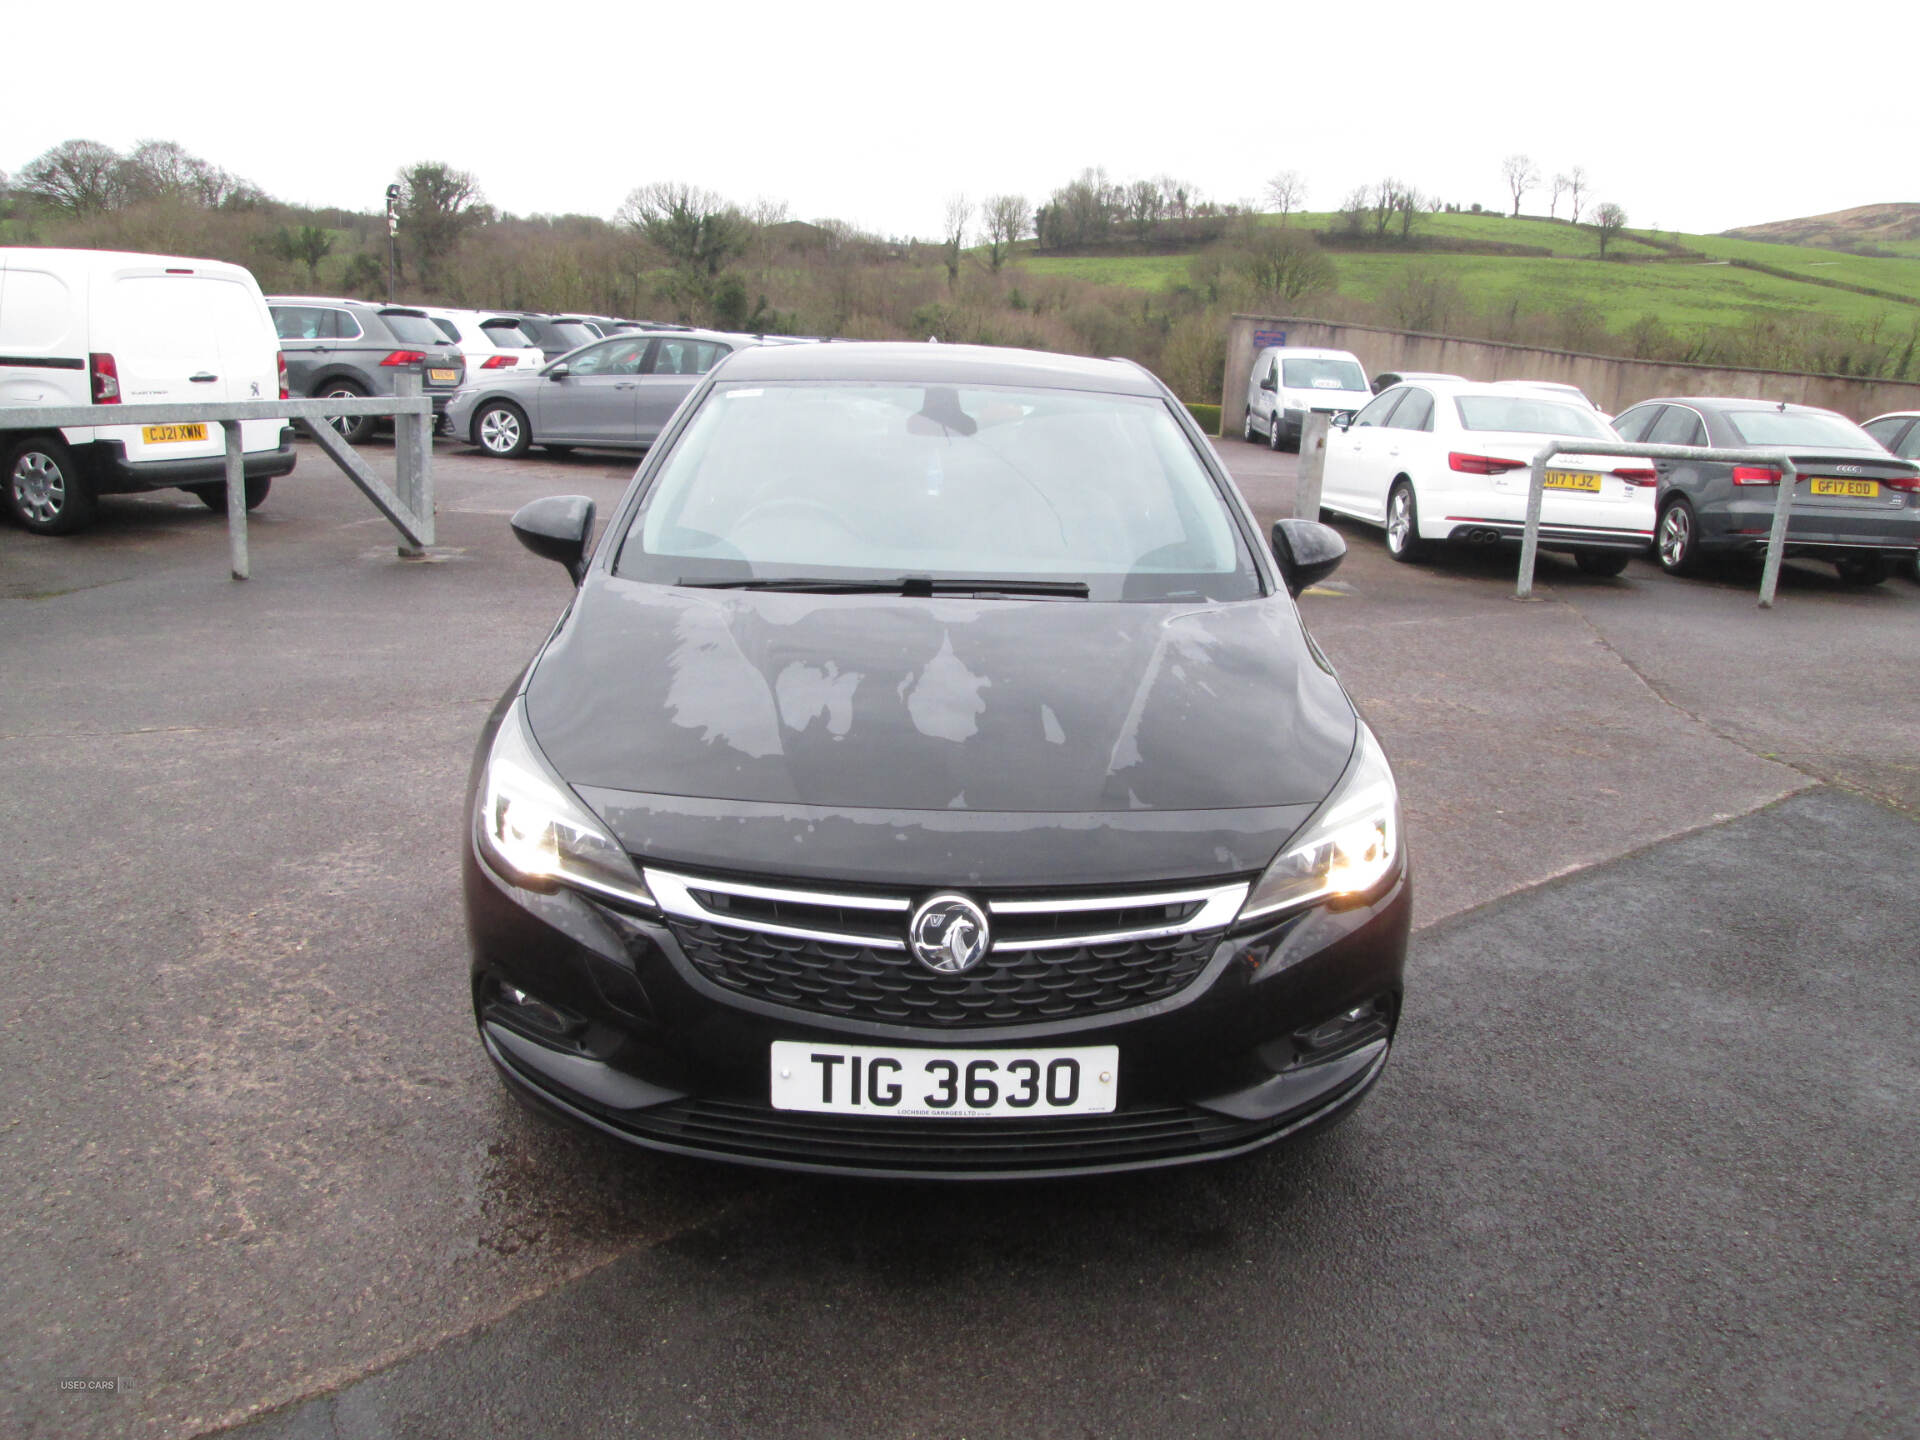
(1573, 480)
(171, 434)
(883, 1080)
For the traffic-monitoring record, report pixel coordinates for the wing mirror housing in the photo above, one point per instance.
(557, 527)
(560, 371)
(1307, 552)
(1266, 383)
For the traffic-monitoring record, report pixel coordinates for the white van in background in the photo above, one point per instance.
(105, 327)
(1290, 382)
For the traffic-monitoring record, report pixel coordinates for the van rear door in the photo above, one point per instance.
(192, 333)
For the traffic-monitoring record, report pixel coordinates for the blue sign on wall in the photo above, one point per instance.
(1263, 338)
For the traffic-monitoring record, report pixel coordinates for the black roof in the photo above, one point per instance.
(952, 364)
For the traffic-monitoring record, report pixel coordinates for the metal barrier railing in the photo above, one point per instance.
(1773, 458)
(408, 507)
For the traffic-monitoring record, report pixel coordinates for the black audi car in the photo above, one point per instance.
(931, 776)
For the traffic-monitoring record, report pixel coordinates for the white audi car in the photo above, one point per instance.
(1449, 462)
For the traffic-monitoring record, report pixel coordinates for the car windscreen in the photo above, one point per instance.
(1528, 415)
(505, 335)
(1322, 375)
(411, 329)
(1798, 427)
(571, 334)
(872, 483)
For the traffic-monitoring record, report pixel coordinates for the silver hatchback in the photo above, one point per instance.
(616, 393)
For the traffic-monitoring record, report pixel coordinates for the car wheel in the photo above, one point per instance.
(500, 429)
(214, 497)
(1869, 567)
(1275, 430)
(1246, 428)
(1403, 524)
(354, 429)
(1677, 538)
(45, 490)
(1601, 562)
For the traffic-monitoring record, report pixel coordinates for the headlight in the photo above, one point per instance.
(536, 827)
(1349, 846)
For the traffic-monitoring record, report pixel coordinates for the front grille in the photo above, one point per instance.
(756, 1131)
(1007, 987)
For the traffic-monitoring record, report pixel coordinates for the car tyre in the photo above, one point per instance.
(214, 497)
(1676, 543)
(354, 429)
(501, 430)
(1403, 524)
(1603, 563)
(1246, 428)
(45, 490)
(1276, 432)
(1859, 571)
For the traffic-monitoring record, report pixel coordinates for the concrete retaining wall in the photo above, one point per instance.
(1614, 384)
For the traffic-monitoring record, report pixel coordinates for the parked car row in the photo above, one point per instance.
(1435, 459)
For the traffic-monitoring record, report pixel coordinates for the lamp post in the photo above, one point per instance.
(393, 226)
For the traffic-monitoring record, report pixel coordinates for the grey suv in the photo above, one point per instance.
(355, 347)
(1855, 506)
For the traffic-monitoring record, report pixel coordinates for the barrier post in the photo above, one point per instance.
(1313, 466)
(1777, 536)
(238, 561)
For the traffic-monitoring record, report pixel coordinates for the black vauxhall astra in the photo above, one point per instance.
(932, 776)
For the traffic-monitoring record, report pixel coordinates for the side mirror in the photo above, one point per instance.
(1341, 419)
(1307, 551)
(1266, 383)
(557, 528)
(560, 371)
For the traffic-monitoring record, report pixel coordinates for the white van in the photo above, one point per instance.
(1290, 382)
(104, 327)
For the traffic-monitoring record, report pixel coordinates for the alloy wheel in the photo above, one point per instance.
(1676, 537)
(500, 431)
(1399, 519)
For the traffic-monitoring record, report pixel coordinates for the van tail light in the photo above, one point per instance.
(105, 376)
(405, 357)
(1755, 475)
(280, 364)
(500, 362)
(1638, 474)
(1483, 464)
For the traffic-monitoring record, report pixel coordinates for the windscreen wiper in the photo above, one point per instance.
(910, 585)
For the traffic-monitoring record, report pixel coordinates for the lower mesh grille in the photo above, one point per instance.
(757, 1131)
(1007, 987)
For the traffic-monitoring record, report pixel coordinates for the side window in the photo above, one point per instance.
(299, 322)
(1679, 426)
(1887, 431)
(593, 360)
(344, 327)
(686, 357)
(1377, 410)
(446, 327)
(1415, 412)
(1909, 447)
(1632, 427)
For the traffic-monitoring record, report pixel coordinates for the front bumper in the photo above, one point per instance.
(656, 1055)
(114, 474)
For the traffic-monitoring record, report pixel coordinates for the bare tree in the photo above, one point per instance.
(81, 177)
(953, 235)
(1558, 188)
(1146, 206)
(1283, 263)
(1609, 220)
(1408, 205)
(764, 212)
(1576, 187)
(1354, 210)
(1520, 177)
(1179, 199)
(1005, 218)
(1287, 192)
(309, 245)
(696, 229)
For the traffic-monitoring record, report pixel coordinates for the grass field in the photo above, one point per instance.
(1681, 293)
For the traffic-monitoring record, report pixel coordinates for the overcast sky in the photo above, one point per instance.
(875, 113)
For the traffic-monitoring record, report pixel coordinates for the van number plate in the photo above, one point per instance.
(172, 434)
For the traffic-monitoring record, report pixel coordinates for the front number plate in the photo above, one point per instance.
(877, 1080)
(171, 434)
(1573, 480)
(1859, 489)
